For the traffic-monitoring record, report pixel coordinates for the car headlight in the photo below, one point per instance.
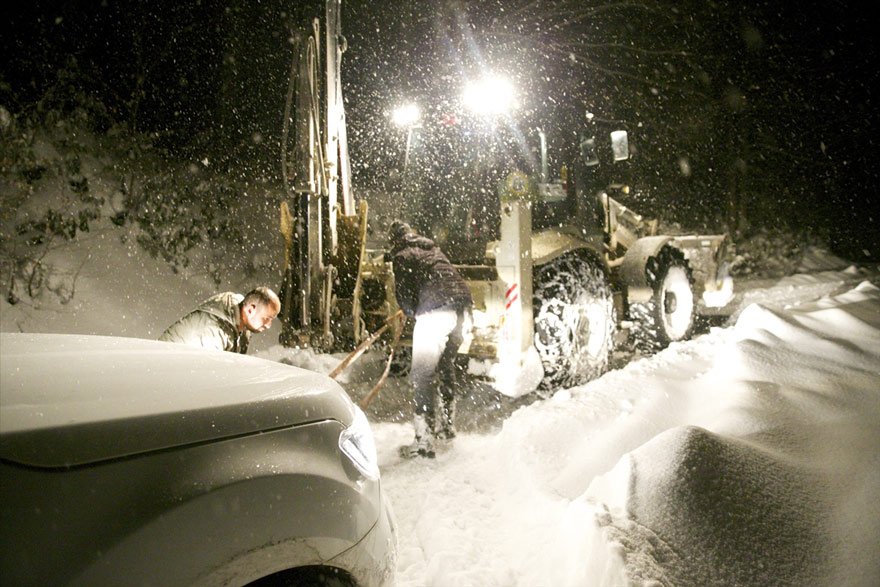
(357, 443)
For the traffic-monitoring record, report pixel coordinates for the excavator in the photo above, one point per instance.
(559, 267)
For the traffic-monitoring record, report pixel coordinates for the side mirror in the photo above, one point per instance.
(620, 145)
(588, 152)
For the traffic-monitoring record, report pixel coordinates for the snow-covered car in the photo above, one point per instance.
(137, 462)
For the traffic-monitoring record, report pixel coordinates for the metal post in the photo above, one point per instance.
(514, 263)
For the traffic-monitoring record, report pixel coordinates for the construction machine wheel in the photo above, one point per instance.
(574, 321)
(669, 315)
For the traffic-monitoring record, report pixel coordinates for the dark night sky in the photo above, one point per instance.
(793, 78)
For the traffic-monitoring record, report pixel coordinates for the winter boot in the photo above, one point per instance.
(423, 445)
(446, 428)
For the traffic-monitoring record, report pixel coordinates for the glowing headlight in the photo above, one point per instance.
(489, 96)
(357, 443)
(406, 115)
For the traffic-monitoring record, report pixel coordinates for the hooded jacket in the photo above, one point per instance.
(424, 279)
(212, 325)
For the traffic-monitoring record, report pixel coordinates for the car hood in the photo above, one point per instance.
(71, 400)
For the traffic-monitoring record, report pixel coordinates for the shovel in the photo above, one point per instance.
(356, 353)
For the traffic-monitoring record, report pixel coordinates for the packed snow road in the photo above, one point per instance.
(744, 456)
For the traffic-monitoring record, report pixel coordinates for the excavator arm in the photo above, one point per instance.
(321, 226)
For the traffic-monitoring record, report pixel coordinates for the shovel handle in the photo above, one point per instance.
(375, 391)
(353, 355)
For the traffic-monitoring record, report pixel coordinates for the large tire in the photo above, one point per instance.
(669, 315)
(574, 321)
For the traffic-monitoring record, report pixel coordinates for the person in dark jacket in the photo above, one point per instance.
(429, 289)
(225, 321)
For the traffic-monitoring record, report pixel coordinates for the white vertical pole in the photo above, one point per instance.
(514, 264)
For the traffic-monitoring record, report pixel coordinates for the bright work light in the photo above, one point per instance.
(489, 96)
(406, 115)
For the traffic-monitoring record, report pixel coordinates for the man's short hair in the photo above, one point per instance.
(261, 296)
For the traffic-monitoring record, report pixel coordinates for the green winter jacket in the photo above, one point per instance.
(213, 325)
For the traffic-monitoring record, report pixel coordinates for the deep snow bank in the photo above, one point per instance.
(780, 485)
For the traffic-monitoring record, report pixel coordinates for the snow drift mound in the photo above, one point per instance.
(780, 485)
(724, 512)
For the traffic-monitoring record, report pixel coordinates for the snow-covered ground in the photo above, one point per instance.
(747, 456)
